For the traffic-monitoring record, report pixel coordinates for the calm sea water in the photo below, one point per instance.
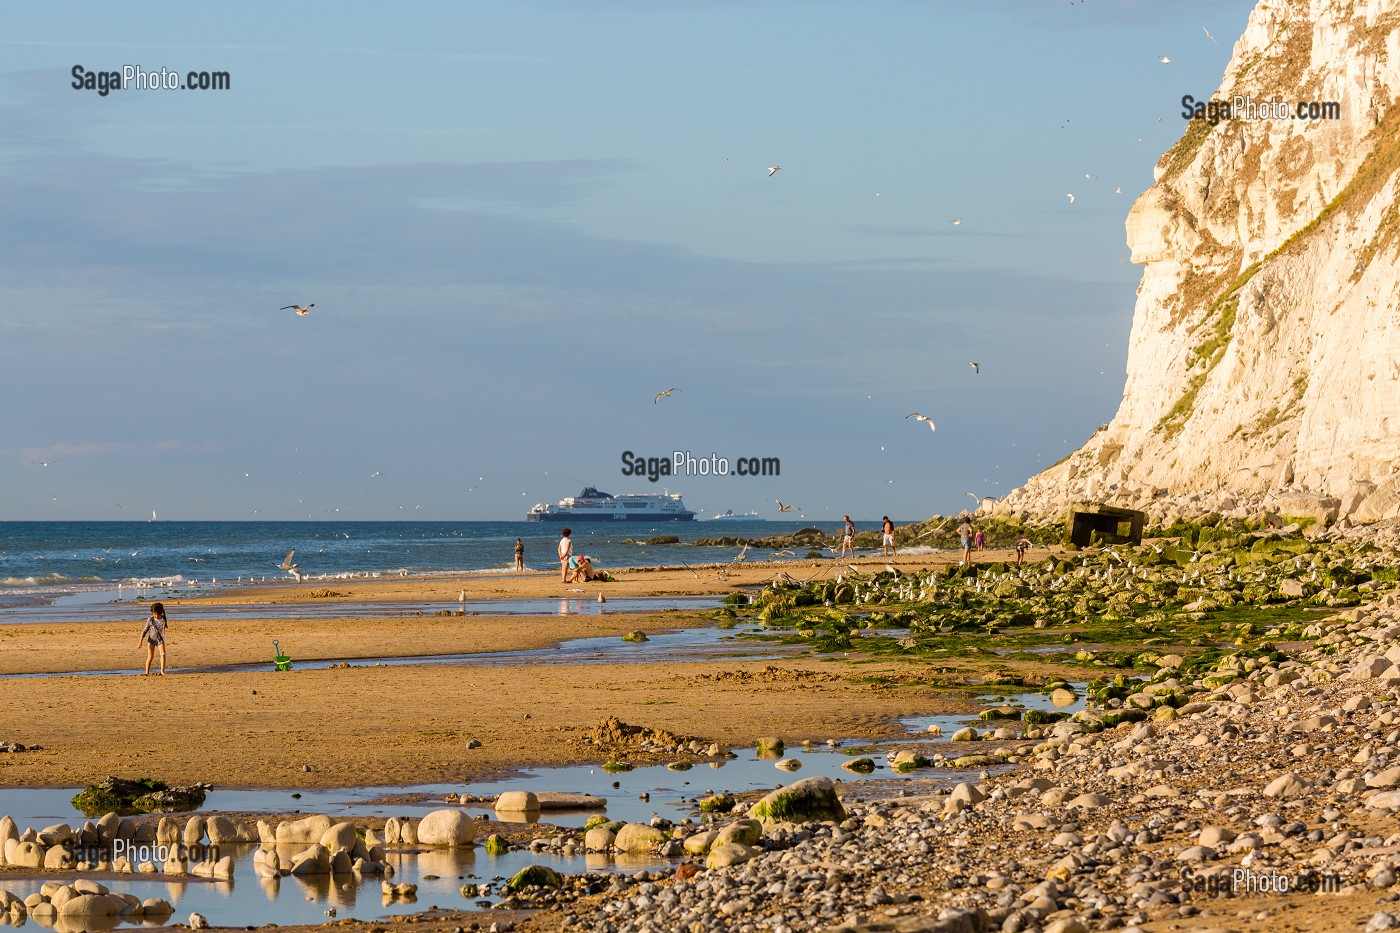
(48, 557)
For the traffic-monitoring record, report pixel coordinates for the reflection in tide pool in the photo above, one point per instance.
(634, 796)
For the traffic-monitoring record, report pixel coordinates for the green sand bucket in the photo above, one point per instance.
(283, 662)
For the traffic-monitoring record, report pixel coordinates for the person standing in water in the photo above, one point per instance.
(519, 555)
(153, 636)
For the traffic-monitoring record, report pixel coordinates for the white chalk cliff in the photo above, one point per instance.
(1264, 363)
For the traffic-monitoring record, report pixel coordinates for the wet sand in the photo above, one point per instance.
(409, 724)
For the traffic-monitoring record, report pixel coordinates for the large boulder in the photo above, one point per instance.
(743, 832)
(92, 905)
(806, 801)
(339, 836)
(59, 858)
(107, 827)
(26, 855)
(168, 832)
(194, 830)
(313, 861)
(730, 853)
(639, 839)
(599, 838)
(306, 831)
(446, 827)
(223, 829)
(518, 801)
(535, 876)
(8, 831)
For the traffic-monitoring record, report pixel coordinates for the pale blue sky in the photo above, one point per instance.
(520, 221)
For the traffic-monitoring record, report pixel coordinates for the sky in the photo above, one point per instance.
(519, 222)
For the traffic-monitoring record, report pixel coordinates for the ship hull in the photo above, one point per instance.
(584, 517)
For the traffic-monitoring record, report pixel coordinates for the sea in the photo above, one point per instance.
(39, 560)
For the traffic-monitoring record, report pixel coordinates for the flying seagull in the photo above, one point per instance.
(976, 368)
(1070, 196)
(1208, 35)
(786, 508)
(287, 561)
(45, 462)
(957, 222)
(1165, 60)
(299, 309)
(667, 393)
(773, 170)
(918, 417)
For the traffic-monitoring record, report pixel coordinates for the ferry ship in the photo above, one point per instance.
(729, 515)
(594, 506)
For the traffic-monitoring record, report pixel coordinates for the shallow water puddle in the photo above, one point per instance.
(696, 644)
(439, 874)
(85, 607)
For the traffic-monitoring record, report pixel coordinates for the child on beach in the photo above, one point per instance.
(566, 555)
(153, 636)
(980, 539)
(1022, 545)
(519, 555)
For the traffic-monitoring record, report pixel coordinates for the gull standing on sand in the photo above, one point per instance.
(299, 309)
(924, 418)
(667, 393)
(773, 170)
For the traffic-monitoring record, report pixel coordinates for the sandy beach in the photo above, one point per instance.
(409, 724)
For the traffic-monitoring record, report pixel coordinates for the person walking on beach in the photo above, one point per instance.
(980, 540)
(566, 555)
(1022, 545)
(848, 537)
(887, 530)
(519, 555)
(153, 636)
(965, 537)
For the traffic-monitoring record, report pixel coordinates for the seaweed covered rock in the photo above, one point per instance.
(144, 795)
(806, 801)
(535, 876)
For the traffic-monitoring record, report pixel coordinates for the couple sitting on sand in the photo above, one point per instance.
(582, 570)
(577, 568)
